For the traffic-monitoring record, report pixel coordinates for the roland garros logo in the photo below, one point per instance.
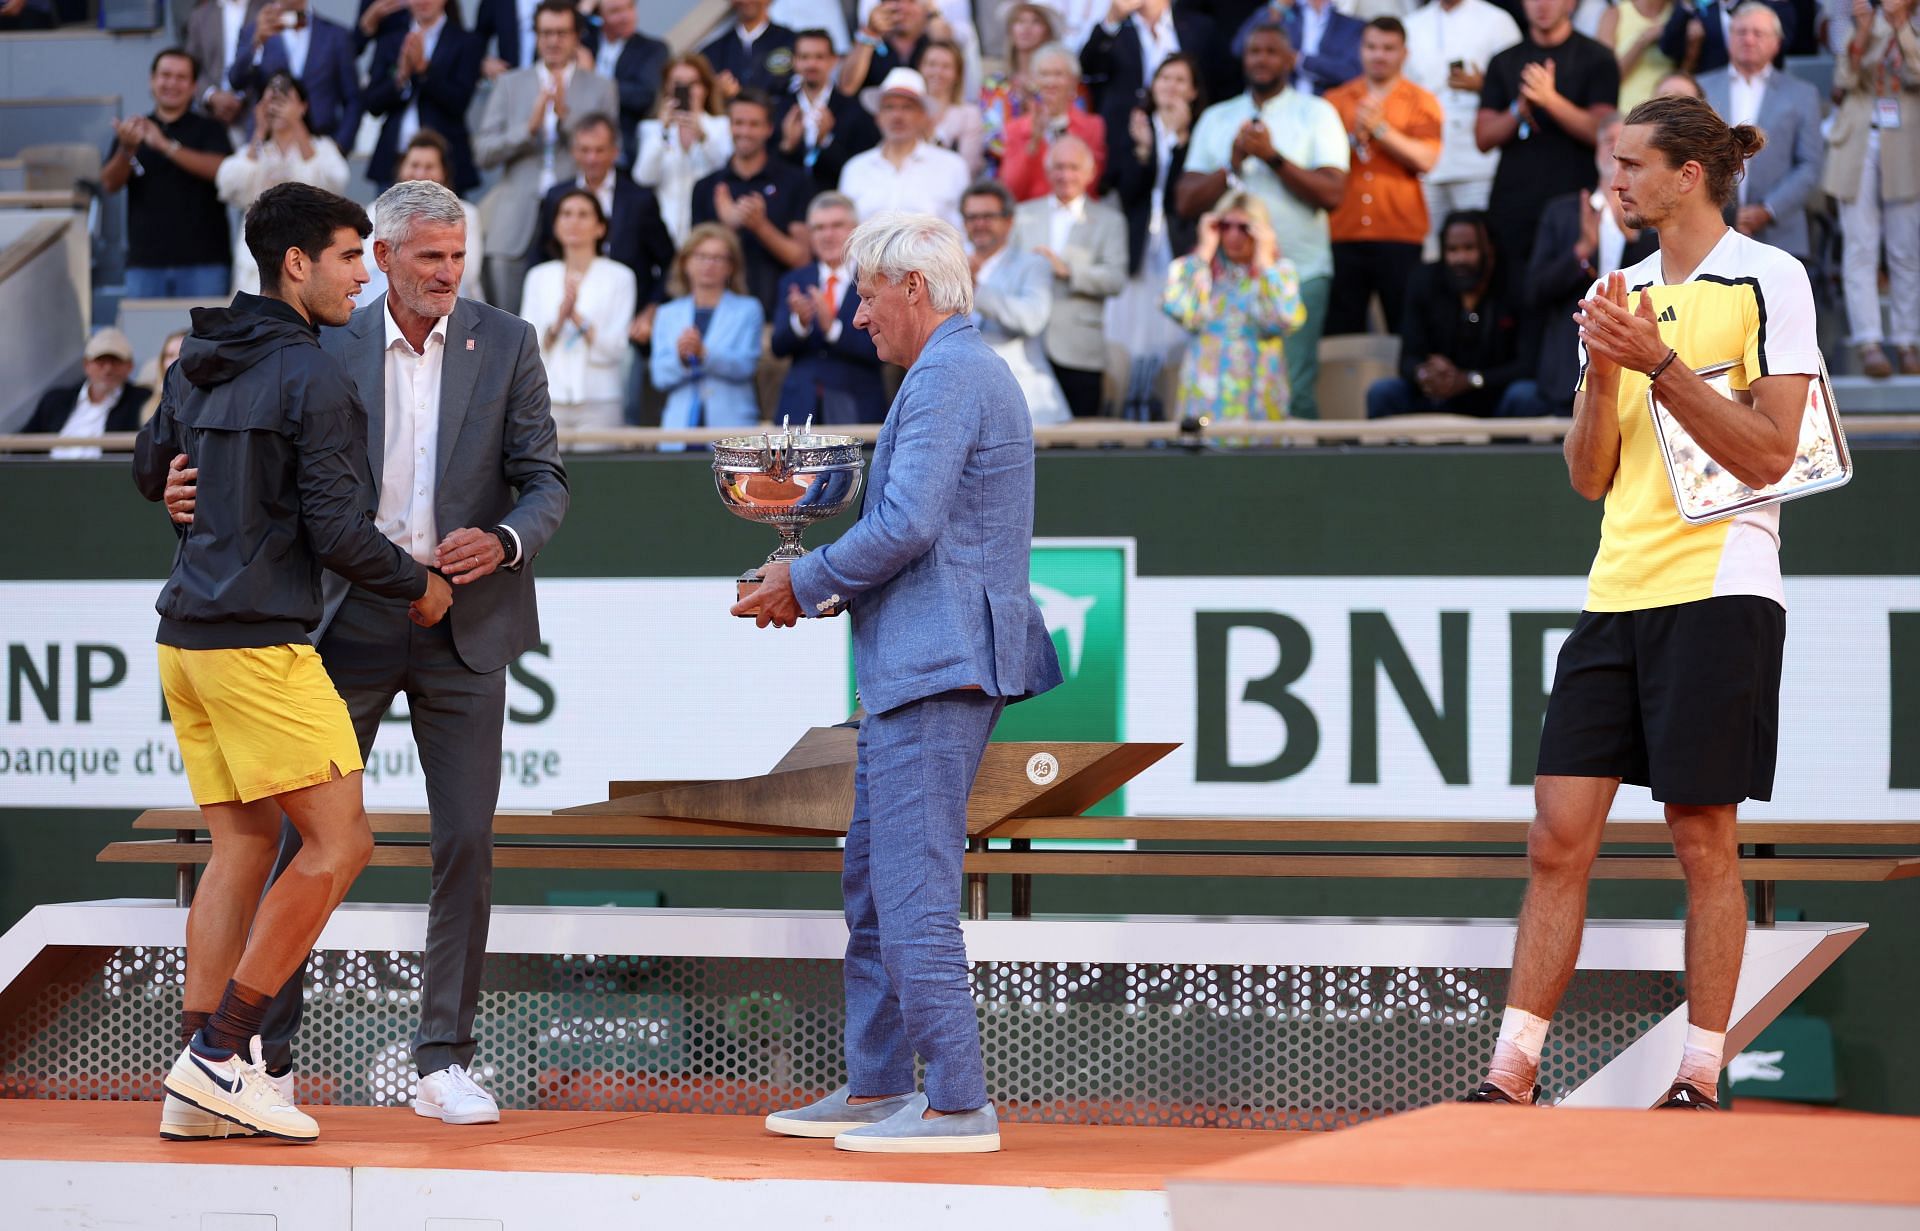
(1042, 768)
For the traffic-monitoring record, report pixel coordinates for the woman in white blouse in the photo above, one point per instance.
(429, 157)
(581, 306)
(689, 141)
(954, 124)
(283, 151)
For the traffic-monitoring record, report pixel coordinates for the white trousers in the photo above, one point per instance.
(1866, 222)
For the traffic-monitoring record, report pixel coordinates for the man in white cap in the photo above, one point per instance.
(905, 171)
(104, 402)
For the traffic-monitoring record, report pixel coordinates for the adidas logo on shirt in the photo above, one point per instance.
(1668, 314)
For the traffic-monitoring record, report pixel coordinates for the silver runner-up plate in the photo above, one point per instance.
(1705, 491)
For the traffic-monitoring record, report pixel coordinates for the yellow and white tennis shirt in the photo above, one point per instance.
(1748, 304)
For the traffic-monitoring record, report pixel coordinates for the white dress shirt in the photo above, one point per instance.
(929, 182)
(233, 19)
(412, 440)
(297, 42)
(603, 194)
(1062, 220)
(410, 118)
(1473, 32)
(811, 110)
(529, 41)
(1313, 27)
(89, 418)
(1743, 103)
(672, 170)
(550, 128)
(1157, 42)
(608, 56)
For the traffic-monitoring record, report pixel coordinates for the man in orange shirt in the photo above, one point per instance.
(1378, 230)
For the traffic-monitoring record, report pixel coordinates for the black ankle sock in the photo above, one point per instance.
(281, 1071)
(235, 1022)
(190, 1022)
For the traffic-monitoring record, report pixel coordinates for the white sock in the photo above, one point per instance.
(1701, 1062)
(1524, 1031)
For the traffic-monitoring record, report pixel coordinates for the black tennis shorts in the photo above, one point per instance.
(1684, 700)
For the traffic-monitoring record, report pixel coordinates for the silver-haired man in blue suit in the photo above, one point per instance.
(945, 634)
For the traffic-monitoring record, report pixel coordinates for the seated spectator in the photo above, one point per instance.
(1147, 156)
(690, 140)
(1542, 107)
(427, 158)
(636, 236)
(820, 127)
(1381, 224)
(1328, 41)
(761, 199)
(1680, 85)
(1012, 298)
(1239, 298)
(1462, 340)
(1125, 50)
(706, 340)
(285, 38)
(1699, 43)
(525, 131)
(581, 303)
(154, 375)
(1873, 171)
(1583, 237)
(905, 171)
(282, 151)
(212, 38)
(1008, 93)
(835, 377)
(103, 402)
(1288, 148)
(636, 65)
(1085, 243)
(955, 123)
(1450, 43)
(422, 80)
(1055, 114)
(167, 161)
(1631, 30)
(1772, 202)
(751, 52)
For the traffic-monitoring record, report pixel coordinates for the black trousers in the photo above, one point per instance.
(1363, 270)
(1083, 390)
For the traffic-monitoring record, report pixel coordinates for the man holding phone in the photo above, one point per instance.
(318, 53)
(1449, 45)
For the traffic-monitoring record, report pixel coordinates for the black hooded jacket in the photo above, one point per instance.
(279, 437)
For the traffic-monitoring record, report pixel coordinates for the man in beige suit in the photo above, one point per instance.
(1086, 243)
(528, 122)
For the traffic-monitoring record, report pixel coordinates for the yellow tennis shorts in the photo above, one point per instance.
(256, 722)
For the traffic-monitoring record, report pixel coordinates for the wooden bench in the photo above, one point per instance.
(1207, 846)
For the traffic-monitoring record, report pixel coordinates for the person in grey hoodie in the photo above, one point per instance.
(275, 423)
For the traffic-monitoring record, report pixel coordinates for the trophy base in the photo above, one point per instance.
(745, 585)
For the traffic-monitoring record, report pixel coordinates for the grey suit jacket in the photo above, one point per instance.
(497, 462)
(509, 211)
(1096, 257)
(935, 572)
(1784, 173)
(205, 34)
(1012, 305)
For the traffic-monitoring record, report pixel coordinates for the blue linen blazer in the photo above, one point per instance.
(724, 389)
(935, 571)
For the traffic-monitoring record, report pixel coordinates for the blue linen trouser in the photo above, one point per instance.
(906, 966)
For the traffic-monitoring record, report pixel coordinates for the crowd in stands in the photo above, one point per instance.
(1206, 187)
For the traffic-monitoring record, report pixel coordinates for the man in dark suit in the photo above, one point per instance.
(818, 127)
(285, 38)
(104, 401)
(475, 489)
(835, 376)
(1113, 62)
(635, 64)
(751, 52)
(1695, 36)
(1328, 41)
(424, 77)
(636, 236)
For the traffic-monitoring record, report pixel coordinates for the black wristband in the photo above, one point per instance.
(1663, 365)
(507, 545)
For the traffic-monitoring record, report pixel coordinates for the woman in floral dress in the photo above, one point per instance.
(1239, 298)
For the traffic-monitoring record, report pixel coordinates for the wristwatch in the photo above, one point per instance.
(1476, 381)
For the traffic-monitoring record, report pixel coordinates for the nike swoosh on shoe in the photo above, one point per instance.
(227, 1084)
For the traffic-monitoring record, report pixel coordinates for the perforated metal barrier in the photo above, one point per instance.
(1116, 1043)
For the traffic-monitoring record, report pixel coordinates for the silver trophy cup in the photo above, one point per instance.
(788, 480)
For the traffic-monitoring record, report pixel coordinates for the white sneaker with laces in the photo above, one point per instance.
(239, 1090)
(180, 1121)
(453, 1097)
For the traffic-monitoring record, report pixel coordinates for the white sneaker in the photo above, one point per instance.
(181, 1121)
(453, 1097)
(240, 1090)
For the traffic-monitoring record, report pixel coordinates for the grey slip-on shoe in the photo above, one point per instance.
(908, 1132)
(833, 1115)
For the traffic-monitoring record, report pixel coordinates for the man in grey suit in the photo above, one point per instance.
(945, 634)
(1772, 205)
(525, 130)
(458, 422)
(1012, 297)
(1086, 244)
(213, 35)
